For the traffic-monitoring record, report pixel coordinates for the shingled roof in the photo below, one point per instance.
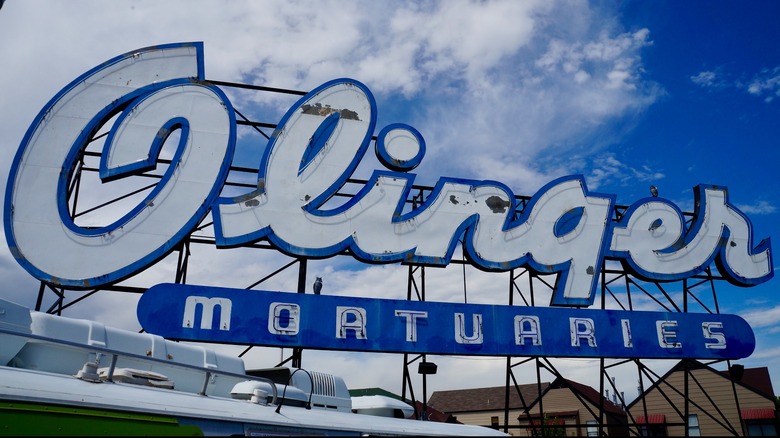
(588, 393)
(484, 399)
(756, 379)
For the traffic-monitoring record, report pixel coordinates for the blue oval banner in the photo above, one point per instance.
(286, 319)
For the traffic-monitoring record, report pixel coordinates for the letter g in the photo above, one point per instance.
(154, 91)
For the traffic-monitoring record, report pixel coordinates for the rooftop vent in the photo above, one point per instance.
(137, 377)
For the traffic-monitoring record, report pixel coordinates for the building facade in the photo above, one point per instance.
(491, 406)
(568, 408)
(565, 408)
(738, 402)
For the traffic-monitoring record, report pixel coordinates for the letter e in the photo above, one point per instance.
(667, 334)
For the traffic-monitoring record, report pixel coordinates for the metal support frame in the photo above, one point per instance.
(415, 287)
(617, 286)
(622, 289)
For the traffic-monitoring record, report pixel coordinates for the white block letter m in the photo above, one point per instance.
(207, 314)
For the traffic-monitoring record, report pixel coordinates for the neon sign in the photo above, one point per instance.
(154, 91)
(283, 319)
(565, 229)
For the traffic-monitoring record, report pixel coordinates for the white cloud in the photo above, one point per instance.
(705, 78)
(765, 317)
(760, 207)
(766, 84)
(494, 87)
(607, 169)
(480, 67)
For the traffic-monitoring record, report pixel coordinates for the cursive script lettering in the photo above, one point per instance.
(564, 229)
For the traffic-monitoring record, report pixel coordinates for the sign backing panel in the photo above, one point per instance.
(286, 319)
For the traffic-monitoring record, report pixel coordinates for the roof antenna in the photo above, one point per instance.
(281, 400)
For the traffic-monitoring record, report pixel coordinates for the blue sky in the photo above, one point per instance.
(628, 94)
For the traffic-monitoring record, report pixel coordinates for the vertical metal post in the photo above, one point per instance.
(506, 394)
(602, 369)
(425, 394)
(183, 261)
(508, 359)
(297, 354)
(686, 371)
(602, 373)
(424, 376)
(405, 377)
(406, 380)
(39, 301)
(539, 396)
(736, 398)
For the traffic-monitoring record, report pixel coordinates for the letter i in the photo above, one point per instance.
(628, 341)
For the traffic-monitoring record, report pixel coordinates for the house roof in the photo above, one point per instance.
(754, 379)
(588, 393)
(490, 399)
(484, 399)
